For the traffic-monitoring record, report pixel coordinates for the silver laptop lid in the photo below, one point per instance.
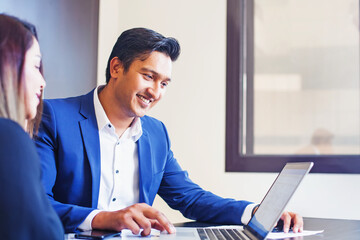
(276, 199)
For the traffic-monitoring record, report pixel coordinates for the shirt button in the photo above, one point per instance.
(114, 199)
(117, 143)
(117, 171)
(109, 126)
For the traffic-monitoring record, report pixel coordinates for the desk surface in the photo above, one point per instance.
(333, 228)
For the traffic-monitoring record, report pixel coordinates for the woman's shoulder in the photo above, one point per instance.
(15, 144)
(10, 131)
(23, 196)
(8, 122)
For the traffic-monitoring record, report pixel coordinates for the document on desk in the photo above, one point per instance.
(281, 235)
(276, 235)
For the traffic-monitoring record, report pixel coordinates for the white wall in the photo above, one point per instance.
(194, 107)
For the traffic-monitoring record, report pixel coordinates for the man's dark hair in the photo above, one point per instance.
(139, 43)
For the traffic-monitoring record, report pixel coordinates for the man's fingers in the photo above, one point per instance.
(135, 217)
(161, 219)
(287, 221)
(132, 226)
(292, 218)
(298, 222)
(144, 223)
(146, 217)
(156, 225)
(146, 229)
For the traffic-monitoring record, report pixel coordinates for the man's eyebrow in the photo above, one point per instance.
(153, 72)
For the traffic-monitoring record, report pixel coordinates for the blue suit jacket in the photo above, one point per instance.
(69, 148)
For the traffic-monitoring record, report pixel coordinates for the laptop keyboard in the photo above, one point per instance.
(220, 234)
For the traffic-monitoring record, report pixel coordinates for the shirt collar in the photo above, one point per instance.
(135, 129)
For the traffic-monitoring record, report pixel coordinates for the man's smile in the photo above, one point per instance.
(144, 99)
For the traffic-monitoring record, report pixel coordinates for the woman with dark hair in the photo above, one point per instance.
(25, 212)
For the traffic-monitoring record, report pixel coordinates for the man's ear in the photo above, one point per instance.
(116, 67)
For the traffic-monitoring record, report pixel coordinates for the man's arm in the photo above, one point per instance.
(182, 194)
(195, 203)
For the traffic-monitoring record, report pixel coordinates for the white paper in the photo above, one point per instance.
(280, 235)
(276, 235)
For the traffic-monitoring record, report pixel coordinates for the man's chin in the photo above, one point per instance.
(141, 111)
(140, 114)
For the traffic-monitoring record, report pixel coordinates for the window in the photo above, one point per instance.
(293, 85)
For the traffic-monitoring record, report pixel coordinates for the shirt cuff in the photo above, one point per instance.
(245, 218)
(86, 224)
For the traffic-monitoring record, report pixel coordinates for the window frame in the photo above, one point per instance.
(240, 23)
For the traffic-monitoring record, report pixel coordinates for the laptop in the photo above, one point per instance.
(265, 218)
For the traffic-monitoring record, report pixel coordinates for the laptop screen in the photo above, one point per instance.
(277, 198)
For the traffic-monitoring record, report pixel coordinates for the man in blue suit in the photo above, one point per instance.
(104, 160)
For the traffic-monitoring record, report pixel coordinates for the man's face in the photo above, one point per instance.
(143, 85)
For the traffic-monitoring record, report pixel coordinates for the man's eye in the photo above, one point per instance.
(148, 76)
(164, 84)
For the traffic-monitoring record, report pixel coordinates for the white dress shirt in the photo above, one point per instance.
(119, 178)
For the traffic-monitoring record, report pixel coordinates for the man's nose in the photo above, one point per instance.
(155, 91)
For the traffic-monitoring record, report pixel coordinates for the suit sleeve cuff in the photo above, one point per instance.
(245, 218)
(86, 224)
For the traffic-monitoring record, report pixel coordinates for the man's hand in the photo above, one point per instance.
(292, 219)
(136, 217)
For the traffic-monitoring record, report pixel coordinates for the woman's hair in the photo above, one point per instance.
(16, 37)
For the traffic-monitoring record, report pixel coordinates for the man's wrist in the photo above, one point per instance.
(87, 223)
(246, 216)
(254, 210)
(103, 220)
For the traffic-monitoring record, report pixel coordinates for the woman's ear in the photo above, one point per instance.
(116, 67)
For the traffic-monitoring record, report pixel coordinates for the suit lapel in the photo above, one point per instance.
(145, 167)
(90, 136)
